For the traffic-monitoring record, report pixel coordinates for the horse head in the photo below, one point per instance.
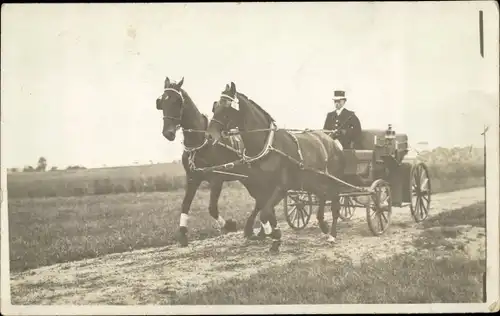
(171, 102)
(226, 113)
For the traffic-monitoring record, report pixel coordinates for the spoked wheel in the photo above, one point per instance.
(420, 186)
(378, 213)
(298, 209)
(346, 208)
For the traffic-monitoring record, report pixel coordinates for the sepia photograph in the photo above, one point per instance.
(250, 158)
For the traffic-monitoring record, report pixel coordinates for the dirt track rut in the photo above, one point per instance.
(153, 276)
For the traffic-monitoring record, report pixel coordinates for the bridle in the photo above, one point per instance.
(179, 121)
(234, 104)
(179, 118)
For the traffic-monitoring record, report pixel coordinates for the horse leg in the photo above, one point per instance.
(320, 216)
(248, 231)
(260, 197)
(268, 218)
(213, 209)
(335, 217)
(191, 188)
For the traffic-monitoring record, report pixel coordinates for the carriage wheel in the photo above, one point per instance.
(298, 209)
(378, 213)
(346, 208)
(420, 192)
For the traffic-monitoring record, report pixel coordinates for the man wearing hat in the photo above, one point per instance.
(345, 122)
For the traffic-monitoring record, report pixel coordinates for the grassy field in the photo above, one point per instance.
(144, 178)
(426, 278)
(45, 231)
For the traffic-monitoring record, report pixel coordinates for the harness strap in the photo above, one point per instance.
(299, 151)
(268, 146)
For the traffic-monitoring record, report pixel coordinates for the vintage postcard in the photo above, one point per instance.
(250, 158)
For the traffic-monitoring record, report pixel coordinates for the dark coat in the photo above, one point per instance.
(348, 122)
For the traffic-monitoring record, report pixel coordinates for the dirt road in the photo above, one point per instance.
(153, 276)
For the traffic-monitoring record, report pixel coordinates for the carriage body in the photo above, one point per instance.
(379, 162)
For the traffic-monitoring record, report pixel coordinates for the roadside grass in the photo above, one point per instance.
(401, 279)
(437, 272)
(474, 215)
(45, 231)
(439, 231)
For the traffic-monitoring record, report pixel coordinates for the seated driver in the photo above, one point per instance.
(345, 123)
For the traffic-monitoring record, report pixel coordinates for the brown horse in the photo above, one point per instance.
(294, 161)
(179, 111)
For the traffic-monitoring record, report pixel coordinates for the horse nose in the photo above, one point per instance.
(208, 135)
(169, 135)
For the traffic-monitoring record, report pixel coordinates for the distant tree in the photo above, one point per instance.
(28, 169)
(54, 168)
(76, 167)
(13, 170)
(42, 164)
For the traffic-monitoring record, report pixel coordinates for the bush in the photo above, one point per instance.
(132, 186)
(119, 188)
(161, 183)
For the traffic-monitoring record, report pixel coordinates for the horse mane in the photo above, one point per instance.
(186, 97)
(266, 114)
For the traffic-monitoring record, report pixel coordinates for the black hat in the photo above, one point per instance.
(339, 95)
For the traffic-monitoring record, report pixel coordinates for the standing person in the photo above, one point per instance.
(345, 123)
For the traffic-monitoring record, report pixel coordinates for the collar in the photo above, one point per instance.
(339, 111)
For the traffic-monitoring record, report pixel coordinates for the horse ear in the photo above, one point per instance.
(213, 106)
(227, 87)
(233, 87)
(167, 82)
(180, 83)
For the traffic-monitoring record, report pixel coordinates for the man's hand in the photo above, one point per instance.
(336, 133)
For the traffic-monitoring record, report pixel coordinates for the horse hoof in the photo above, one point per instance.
(230, 226)
(276, 234)
(324, 227)
(275, 247)
(183, 241)
(331, 239)
(182, 237)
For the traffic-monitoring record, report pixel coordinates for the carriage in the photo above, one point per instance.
(377, 177)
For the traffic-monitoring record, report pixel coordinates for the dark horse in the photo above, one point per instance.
(292, 160)
(179, 111)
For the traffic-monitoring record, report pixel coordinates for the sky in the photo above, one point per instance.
(79, 81)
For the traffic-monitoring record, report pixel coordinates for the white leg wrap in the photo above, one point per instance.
(221, 221)
(267, 228)
(331, 239)
(184, 220)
